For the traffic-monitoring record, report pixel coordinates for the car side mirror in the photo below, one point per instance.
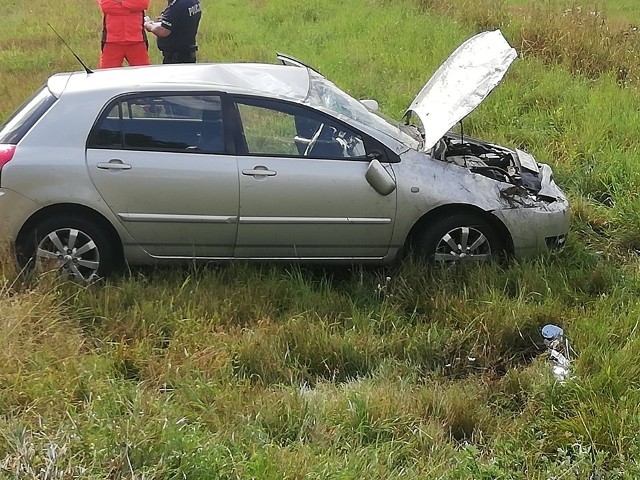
(370, 104)
(379, 178)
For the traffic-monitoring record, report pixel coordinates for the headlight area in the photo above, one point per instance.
(556, 242)
(538, 227)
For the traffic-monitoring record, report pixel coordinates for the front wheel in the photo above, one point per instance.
(459, 238)
(76, 247)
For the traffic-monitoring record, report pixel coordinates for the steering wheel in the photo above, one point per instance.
(313, 141)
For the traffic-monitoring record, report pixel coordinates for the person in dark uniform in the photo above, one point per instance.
(176, 29)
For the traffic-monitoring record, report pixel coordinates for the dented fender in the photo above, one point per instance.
(425, 184)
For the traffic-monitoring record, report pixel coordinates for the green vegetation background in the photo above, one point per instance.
(280, 372)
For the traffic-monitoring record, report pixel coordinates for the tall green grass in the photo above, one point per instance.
(244, 371)
(287, 372)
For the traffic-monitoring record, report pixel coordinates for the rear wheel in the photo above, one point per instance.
(459, 238)
(75, 246)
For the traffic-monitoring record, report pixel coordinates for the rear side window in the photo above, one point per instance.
(21, 121)
(174, 123)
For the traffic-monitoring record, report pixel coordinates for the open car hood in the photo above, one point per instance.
(461, 83)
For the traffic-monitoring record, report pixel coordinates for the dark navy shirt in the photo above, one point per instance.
(182, 17)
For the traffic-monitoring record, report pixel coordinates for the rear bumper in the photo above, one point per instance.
(15, 209)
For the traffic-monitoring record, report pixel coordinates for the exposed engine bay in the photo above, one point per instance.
(499, 163)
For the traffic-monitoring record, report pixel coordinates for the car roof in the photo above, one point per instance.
(269, 80)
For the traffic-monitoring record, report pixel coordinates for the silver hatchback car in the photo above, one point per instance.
(269, 162)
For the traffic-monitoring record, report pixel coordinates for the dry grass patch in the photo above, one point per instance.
(578, 36)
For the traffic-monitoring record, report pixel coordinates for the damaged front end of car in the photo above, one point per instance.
(526, 187)
(529, 179)
(461, 83)
(532, 207)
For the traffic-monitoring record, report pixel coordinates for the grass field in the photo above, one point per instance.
(271, 372)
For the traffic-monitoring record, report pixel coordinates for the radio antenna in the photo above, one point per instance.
(86, 69)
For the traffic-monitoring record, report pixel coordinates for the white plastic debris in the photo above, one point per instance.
(559, 351)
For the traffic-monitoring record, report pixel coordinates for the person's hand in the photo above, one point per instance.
(147, 18)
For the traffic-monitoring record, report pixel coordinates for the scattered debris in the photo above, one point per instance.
(559, 351)
(383, 288)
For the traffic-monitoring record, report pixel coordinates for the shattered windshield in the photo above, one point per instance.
(325, 95)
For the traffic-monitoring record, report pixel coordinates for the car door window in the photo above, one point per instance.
(175, 123)
(282, 129)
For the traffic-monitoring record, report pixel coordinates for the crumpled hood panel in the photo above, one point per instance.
(461, 83)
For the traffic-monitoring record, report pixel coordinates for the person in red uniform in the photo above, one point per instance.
(123, 33)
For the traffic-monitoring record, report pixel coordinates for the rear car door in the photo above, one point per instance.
(161, 163)
(303, 191)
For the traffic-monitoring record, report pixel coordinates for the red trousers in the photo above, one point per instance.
(114, 53)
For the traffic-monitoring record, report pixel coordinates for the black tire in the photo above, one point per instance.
(75, 245)
(458, 238)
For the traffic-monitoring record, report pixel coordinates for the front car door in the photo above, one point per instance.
(303, 191)
(161, 163)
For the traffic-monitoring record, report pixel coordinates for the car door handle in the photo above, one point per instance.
(259, 171)
(114, 165)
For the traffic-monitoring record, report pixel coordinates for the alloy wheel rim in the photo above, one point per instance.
(71, 251)
(463, 244)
